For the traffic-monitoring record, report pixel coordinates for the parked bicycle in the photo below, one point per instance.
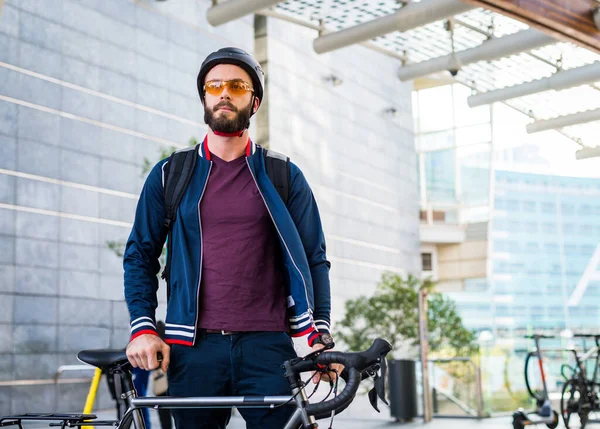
(358, 366)
(543, 412)
(580, 394)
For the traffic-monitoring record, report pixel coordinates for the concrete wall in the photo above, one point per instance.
(77, 86)
(359, 161)
(89, 88)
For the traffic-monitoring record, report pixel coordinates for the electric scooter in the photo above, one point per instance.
(543, 414)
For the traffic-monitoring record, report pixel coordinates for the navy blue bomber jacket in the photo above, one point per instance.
(300, 234)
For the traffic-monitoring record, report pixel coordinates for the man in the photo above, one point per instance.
(247, 271)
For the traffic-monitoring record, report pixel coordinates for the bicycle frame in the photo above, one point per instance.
(298, 419)
(295, 421)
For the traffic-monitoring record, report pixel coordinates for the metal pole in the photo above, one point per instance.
(424, 341)
(564, 121)
(234, 9)
(587, 152)
(410, 16)
(560, 80)
(487, 51)
(478, 389)
(91, 397)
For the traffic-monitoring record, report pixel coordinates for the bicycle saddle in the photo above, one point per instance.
(104, 358)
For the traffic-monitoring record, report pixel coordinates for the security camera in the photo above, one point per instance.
(596, 14)
(453, 72)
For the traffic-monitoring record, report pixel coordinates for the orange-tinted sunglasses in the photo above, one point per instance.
(236, 87)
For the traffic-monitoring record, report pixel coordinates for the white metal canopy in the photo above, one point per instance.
(499, 58)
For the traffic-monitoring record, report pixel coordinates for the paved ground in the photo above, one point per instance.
(342, 422)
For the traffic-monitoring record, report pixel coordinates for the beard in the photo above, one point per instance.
(222, 123)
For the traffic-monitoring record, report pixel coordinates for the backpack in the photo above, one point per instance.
(178, 173)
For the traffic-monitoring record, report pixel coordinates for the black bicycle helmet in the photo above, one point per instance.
(236, 57)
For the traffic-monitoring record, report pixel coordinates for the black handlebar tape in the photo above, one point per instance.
(359, 360)
(354, 365)
(345, 396)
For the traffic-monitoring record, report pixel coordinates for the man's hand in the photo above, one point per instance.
(142, 352)
(331, 376)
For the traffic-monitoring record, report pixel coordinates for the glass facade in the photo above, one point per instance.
(544, 225)
(541, 210)
(545, 230)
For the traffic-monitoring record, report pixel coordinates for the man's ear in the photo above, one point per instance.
(256, 105)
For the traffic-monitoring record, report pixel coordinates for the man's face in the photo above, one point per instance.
(226, 112)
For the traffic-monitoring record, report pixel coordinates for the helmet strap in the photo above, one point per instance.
(236, 134)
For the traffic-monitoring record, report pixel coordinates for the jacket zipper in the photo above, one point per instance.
(201, 253)
(281, 236)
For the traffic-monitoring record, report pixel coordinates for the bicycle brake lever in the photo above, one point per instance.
(317, 352)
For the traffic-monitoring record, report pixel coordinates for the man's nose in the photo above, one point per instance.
(225, 93)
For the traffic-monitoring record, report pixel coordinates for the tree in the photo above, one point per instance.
(392, 313)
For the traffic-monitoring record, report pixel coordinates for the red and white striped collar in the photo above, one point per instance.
(204, 152)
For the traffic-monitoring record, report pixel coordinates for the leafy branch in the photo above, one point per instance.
(392, 313)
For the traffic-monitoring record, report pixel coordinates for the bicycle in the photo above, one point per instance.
(579, 396)
(544, 414)
(370, 363)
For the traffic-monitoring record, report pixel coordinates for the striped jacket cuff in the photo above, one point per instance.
(322, 327)
(142, 326)
(179, 334)
(301, 325)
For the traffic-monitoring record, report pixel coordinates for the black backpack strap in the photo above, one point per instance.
(278, 170)
(178, 172)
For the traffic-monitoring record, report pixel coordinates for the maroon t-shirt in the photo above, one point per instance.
(242, 287)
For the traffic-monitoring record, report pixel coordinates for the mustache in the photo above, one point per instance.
(225, 104)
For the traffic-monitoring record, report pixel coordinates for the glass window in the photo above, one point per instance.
(514, 246)
(435, 109)
(502, 287)
(567, 208)
(500, 225)
(500, 267)
(548, 207)
(570, 249)
(440, 175)
(464, 114)
(586, 209)
(435, 141)
(474, 134)
(426, 261)
(551, 248)
(587, 250)
(549, 227)
(531, 227)
(537, 311)
(500, 203)
(554, 290)
(473, 165)
(532, 246)
(512, 205)
(503, 311)
(500, 246)
(514, 225)
(569, 228)
(529, 206)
